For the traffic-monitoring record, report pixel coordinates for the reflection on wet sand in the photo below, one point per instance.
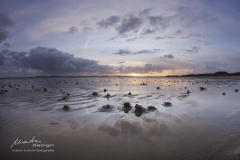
(93, 118)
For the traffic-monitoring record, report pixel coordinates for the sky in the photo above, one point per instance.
(118, 37)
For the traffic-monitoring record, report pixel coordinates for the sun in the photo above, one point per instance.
(135, 74)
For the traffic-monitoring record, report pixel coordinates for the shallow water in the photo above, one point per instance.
(199, 125)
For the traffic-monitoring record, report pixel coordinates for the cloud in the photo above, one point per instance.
(123, 52)
(86, 26)
(144, 23)
(148, 31)
(71, 30)
(178, 32)
(51, 60)
(7, 45)
(195, 35)
(87, 42)
(211, 68)
(193, 50)
(170, 56)
(110, 21)
(121, 62)
(162, 38)
(144, 12)
(157, 21)
(129, 24)
(5, 22)
(147, 68)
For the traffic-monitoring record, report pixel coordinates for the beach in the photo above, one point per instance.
(199, 123)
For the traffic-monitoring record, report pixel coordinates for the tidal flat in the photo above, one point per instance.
(101, 118)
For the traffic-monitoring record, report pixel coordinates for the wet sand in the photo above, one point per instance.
(197, 125)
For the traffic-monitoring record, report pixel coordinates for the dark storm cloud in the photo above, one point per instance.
(110, 21)
(51, 60)
(129, 24)
(193, 50)
(71, 30)
(123, 52)
(170, 56)
(5, 22)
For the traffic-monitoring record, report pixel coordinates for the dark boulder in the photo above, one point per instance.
(151, 108)
(66, 107)
(139, 108)
(94, 93)
(202, 88)
(127, 105)
(167, 104)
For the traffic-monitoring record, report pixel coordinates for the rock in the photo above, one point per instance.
(127, 105)
(68, 94)
(188, 91)
(167, 104)
(63, 98)
(139, 108)
(94, 93)
(108, 95)
(45, 90)
(66, 107)
(129, 93)
(138, 114)
(236, 90)
(32, 86)
(202, 88)
(158, 88)
(143, 84)
(105, 90)
(151, 108)
(106, 108)
(224, 94)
